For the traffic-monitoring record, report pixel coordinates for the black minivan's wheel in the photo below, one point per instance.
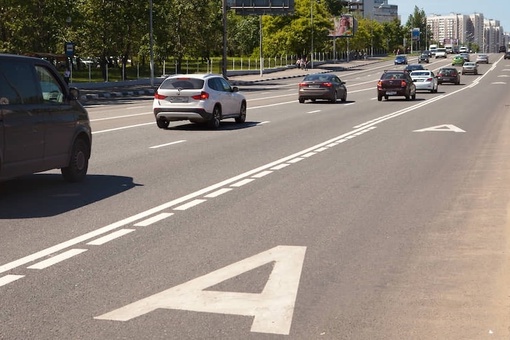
(78, 163)
(214, 122)
(242, 114)
(163, 123)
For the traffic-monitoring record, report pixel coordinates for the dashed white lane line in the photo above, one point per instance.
(152, 220)
(218, 193)
(280, 166)
(167, 144)
(262, 174)
(243, 182)
(9, 278)
(56, 259)
(189, 204)
(121, 128)
(295, 160)
(110, 237)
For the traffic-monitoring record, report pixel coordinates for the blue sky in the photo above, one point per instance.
(491, 9)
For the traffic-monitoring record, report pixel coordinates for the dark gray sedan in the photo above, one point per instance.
(322, 86)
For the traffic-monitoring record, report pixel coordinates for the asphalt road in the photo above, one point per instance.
(356, 220)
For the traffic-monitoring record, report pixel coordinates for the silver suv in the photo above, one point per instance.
(43, 126)
(199, 98)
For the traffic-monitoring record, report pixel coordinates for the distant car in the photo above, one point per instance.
(507, 55)
(482, 59)
(424, 58)
(396, 83)
(465, 56)
(427, 52)
(448, 75)
(199, 98)
(441, 53)
(414, 67)
(463, 49)
(458, 60)
(502, 49)
(400, 60)
(424, 80)
(322, 86)
(470, 67)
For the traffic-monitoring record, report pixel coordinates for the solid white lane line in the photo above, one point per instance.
(121, 128)
(110, 237)
(167, 144)
(9, 278)
(56, 259)
(189, 204)
(152, 220)
(118, 117)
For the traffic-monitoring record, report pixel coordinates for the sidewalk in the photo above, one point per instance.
(142, 87)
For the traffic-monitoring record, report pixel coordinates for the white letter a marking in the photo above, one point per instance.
(272, 309)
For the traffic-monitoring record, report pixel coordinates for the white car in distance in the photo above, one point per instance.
(424, 80)
(441, 53)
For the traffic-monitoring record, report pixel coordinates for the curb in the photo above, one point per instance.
(233, 82)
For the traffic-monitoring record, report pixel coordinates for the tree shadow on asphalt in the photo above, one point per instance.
(45, 195)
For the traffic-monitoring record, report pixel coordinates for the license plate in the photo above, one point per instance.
(391, 93)
(314, 86)
(179, 99)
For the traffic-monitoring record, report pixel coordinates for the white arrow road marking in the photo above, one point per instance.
(272, 309)
(445, 127)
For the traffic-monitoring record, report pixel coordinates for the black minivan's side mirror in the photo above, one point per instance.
(74, 93)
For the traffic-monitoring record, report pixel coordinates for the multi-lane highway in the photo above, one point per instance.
(357, 220)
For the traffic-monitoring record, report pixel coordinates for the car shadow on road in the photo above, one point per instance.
(44, 195)
(224, 125)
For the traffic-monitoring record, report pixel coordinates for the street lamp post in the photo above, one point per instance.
(311, 24)
(151, 44)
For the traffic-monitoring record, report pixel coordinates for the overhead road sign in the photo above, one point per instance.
(261, 7)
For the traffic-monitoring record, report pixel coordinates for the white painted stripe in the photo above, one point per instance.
(56, 259)
(152, 220)
(332, 144)
(243, 182)
(218, 192)
(167, 144)
(189, 204)
(281, 166)
(314, 111)
(264, 122)
(9, 278)
(342, 140)
(262, 174)
(110, 237)
(123, 116)
(295, 160)
(320, 149)
(123, 128)
(306, 155)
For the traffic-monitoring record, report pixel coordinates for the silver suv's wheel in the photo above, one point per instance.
(214, 123)
(242, 114)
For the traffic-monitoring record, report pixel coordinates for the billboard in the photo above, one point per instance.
(415, 34)
(344, 26)
(260, 7)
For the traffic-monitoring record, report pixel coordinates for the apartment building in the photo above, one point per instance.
(466, 30)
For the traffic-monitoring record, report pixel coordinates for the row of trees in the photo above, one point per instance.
(182, 28)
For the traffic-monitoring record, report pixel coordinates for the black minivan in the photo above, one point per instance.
(43, 125)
